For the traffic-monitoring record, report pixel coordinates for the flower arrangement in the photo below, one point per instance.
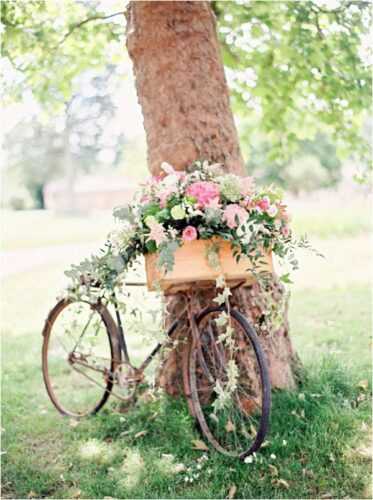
(176, 208)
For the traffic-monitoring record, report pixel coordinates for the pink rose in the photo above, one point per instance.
(263, 204)
(204, 192)
(232, 212)
(189, 233)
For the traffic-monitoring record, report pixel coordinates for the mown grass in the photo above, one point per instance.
(323, 424)
(317, 446)
(311, 450)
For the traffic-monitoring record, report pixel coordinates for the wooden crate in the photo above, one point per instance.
(191, 266)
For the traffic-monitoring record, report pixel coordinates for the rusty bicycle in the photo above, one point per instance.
(85, 359)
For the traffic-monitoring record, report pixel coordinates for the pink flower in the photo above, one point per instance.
(157, 233)
(204, 192)
(232, 212)
(247, 185)
(165, 194)
(190, 233)
(263, 204)
(246, 203)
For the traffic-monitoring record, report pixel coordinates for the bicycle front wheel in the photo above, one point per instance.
(229, 382)
(79, 357)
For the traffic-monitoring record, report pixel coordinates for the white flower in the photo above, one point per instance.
(272, 211)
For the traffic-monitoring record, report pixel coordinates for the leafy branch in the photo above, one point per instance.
(85, 21)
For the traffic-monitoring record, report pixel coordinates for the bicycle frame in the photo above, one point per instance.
(122, 341)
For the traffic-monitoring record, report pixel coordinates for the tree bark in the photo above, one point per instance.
(184, 98)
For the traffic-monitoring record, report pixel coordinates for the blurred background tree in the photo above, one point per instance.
(299, 74)
(75, 140)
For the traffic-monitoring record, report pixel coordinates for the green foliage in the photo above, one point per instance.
(299, 67)
(314, 165)
(46, 49)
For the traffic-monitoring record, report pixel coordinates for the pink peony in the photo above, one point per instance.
(189, 233)
(204, 192)
(232, 212)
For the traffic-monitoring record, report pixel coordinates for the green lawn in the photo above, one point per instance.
(317, 447)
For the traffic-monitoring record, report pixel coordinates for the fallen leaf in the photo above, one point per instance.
(230, 427)
(232, 491)
(73, 422)
(179, 468)
(140, 434)
(273, 469)
(363, 384)
(365, 452)
(252, 430)
(199, 445)
(280, 482)
(32, 494)
(327, 495)
(154, 416)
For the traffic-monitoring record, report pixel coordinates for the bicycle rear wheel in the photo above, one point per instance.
(229, 382)
(79, 356)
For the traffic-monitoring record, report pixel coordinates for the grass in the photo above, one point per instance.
(39, 228)
(317, 446)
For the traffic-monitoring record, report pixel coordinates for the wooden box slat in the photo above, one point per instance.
(191, 266)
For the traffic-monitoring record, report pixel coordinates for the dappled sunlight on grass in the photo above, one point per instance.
(131, 469)
(96, 451)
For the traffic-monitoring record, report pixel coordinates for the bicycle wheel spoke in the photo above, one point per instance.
(227, 385)
(78, 357)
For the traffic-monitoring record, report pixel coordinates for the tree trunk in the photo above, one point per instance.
(184, 97)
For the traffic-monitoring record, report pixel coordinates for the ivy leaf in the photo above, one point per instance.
(166, 259)
(124, 213)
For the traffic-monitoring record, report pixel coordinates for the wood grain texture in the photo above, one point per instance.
(191, 267)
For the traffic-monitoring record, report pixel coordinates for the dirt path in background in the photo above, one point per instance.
(18, 261)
